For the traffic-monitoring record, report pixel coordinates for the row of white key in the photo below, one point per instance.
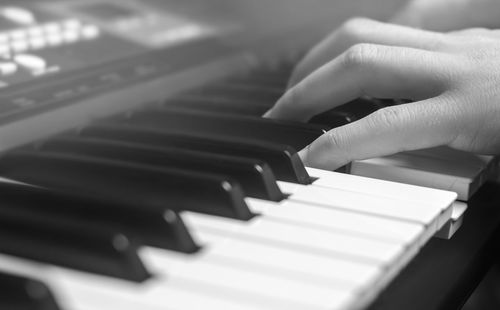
(303, 253)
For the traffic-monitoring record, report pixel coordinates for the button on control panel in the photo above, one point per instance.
(52, 34)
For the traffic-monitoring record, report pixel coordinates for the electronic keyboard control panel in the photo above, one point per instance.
(47, 37)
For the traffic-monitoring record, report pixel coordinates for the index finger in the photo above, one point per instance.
(388, 131)
(365, 69)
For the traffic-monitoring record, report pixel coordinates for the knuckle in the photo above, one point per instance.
(388, 117)
(360, 55)
(470, 142)
(355, 27)
(336, 140)
(337, 143)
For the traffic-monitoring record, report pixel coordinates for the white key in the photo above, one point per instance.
(266, 260)
(206, 227)
(165, 293)
(279, 234)
(215, 230)
(361, 202)
(254, 282)
(187, 291)
(335, 243)
(332, 271)
(340, 220)
(382, 188)
(77, 290)
(212, 229)
(404, 192)
(170, 287)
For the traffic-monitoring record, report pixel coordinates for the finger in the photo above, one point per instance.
(391, 130)
(477, 32)
(449, 15)
(373, 70)
(362, 30)
(433, 15)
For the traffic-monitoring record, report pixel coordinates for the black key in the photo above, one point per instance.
(280, 71)
(269, 77)
(278, 83)
(237, 90)
(217, 104)
(255, 176)
(273, 91)
(125, 183)
(71, 244)
(382, 103)
(298, 135)
(160, 228)
(283, 160)
(347, 113)
(333, 118)
(257, 78)
(360, 107)
(21, 293)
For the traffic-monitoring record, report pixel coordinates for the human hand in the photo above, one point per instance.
(435, 15)
(454, 79)
(447, 15)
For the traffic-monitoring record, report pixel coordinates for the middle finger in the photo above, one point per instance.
(362, 30)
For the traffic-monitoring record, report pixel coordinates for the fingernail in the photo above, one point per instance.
(268, 114)
(303, 154)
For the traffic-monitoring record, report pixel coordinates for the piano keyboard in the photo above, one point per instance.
(198, 202)
(334, 244)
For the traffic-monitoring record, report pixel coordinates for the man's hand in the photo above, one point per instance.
(447, 15)
(453, 78)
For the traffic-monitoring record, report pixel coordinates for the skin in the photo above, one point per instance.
(452, 77)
